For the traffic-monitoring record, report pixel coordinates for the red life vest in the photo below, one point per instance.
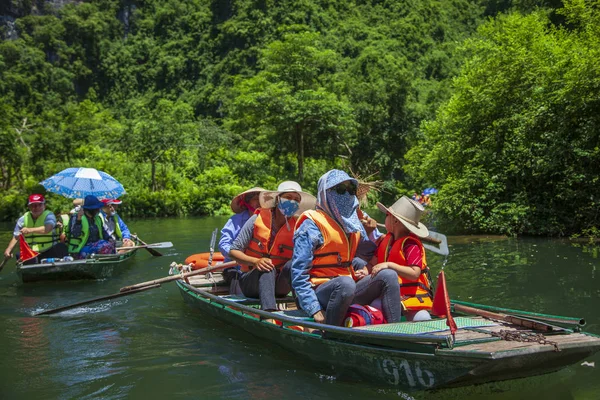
(283, 244)
(415, 294)
(334, 257)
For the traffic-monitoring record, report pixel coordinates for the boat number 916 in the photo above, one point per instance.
(415, 376)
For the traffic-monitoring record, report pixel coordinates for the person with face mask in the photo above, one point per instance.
(325, 244)
(38, 227)
(116, 228)
(87, 234)
(264, 245)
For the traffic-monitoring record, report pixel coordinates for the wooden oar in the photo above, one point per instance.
(3, 262)
(127, 290)
(82, 303)
(520, 321)
(155, 253)
(161, 245)
(436, 238)
(180, 276)
(429, 239)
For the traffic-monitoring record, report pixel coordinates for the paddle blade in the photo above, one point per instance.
(443, 245)
(26, 252)
(161, 245)
(155, 253)
(441, 302)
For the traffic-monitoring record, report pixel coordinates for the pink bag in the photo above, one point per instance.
(358, 315)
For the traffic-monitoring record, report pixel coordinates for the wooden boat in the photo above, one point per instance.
(99, 266)
(409, 355)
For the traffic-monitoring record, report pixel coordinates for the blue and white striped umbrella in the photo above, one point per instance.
(76, 183)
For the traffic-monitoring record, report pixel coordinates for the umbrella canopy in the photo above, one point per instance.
(75, 183)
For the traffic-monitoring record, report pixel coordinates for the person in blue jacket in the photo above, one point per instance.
(243, 205)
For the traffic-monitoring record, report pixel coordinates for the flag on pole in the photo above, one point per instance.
(26, 252)
(441, 302)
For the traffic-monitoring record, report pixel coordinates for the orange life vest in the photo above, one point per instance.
(416, 294)
(283, 244)
(334, 257)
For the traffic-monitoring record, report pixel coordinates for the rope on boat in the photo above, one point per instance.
(516, 336)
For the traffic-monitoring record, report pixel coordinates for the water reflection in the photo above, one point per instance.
(152, 345)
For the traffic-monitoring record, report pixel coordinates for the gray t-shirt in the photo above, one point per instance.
(243, 238)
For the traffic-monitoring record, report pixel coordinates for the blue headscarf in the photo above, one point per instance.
(341, 207)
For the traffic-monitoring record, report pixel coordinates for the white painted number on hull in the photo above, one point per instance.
(397, 371)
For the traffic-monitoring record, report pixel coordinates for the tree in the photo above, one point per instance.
(516, 149)
(153, 131)
(290, 102)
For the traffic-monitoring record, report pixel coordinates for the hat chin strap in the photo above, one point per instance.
(247, 205)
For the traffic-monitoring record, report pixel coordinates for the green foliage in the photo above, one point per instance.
(189, 102)
(516, 149)
(289, 107)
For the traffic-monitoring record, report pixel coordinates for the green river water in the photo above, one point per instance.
(152, 345)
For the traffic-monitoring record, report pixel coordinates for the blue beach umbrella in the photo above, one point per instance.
(76, 183)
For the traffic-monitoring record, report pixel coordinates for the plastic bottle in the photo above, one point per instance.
(68, 258)
(49, 260)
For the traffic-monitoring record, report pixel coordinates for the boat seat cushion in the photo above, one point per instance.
(434, 325)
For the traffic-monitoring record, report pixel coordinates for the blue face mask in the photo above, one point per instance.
(288, 207)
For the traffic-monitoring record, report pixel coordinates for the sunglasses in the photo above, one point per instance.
(343, 188)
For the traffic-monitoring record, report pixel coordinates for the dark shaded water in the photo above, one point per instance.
(151, 345)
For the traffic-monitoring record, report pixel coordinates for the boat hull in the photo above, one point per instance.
(408, 366)
(96, 268)
(381, 366)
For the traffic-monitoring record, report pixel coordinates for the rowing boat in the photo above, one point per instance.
(98, 266)
(408, 355)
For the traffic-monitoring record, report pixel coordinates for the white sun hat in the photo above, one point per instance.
(268, 199)
(409, 213)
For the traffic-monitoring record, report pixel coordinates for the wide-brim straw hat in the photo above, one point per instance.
(409, 213)
(235, 203)
(268, 198)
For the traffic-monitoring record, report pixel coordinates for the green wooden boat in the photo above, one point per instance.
(99, 266)
(408, 355)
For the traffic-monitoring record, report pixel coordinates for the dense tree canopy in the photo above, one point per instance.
(517, 147)
(188, 102)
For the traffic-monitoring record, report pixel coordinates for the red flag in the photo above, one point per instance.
(441, 302)
(25, 250)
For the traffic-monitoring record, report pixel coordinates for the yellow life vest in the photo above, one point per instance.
(415, 294)
(334, 257)
(76, 244)
(39, 242)
(283, 244)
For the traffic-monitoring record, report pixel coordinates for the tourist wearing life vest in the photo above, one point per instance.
(325, 244)
(38, 227)
(400, 253)
(114, 225)
(87, 234)
(264, 245)
(243, 205)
